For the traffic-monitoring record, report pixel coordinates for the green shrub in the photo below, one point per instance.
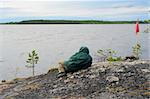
(33, 58)
(136, 50)
(108, 55)
(112, 59)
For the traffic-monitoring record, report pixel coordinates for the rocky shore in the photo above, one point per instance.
(103, 80)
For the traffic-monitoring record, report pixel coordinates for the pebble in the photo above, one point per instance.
(145, 70)
(112, 79)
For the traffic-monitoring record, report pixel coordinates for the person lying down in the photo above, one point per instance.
(78, 61)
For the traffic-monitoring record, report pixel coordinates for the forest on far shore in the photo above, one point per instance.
(75, 22)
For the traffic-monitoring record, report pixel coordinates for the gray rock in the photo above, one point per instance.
(145, 70)
(112, 79)
(103, 80)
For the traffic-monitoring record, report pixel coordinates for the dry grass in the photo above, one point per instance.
(146, 94)
(116, 89)
(51, 70)
(30, 87)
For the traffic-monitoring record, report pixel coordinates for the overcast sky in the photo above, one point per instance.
(17, 10)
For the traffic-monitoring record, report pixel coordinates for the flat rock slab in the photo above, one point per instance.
(103, 80)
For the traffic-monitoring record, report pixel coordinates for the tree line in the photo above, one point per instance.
(75, 22)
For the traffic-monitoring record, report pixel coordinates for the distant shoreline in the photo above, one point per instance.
(75, 22)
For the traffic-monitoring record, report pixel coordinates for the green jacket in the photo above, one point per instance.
(79, 60)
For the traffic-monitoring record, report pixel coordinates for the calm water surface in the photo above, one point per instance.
(58, 42)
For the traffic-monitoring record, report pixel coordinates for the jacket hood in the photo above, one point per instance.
(84, 50)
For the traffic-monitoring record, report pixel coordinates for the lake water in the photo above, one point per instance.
(59, 42)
